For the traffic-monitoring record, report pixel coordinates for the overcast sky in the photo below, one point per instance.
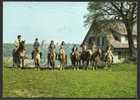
(46, 20)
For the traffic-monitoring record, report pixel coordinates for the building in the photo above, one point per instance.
(117, 37)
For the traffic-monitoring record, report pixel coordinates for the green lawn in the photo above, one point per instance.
(121, 82)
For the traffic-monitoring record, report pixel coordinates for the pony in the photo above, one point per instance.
(62, 57)
(19, 55)
(85, 58)
(75, 59)
(36, 56)
(96, 58)
(51, 58)
(108, 58)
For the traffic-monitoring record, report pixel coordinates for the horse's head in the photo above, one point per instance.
(22, 45)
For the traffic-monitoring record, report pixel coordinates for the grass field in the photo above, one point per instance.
(121, 82)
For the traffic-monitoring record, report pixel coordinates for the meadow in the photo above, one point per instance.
(120, 82)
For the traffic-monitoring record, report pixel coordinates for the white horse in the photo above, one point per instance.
(108, 58)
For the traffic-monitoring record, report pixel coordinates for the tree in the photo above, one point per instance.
(105, 14)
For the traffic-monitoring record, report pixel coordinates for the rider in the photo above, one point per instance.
(84, 47)
(17, 42)
(36, 44)
(62, 47)
(52, 46)
(93, 48)
(74, 49)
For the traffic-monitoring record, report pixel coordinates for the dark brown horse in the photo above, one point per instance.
(85, 58)
(75, 59)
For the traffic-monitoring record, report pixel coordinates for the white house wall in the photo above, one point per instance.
(116, 60)
(123, 39)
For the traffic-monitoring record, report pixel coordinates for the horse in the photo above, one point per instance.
(36, 56)
(51, 58)
(19, 55)
(108, 59)
(62, 57)
(75, 59)
(85, 58)
(96, 58)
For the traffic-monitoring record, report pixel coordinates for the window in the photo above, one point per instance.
(126, 38)
(103, 41)
(98, 41)
(119, 54)
(91, 39)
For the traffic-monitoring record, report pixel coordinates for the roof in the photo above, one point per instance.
(118, 44)
(120, 28)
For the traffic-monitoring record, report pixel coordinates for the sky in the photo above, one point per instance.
(45, 20)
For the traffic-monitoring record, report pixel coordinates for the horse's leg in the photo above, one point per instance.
(106, 65)
(13, 61)
(16, 61)
(53, 64)
(77, 65)
(60, 65)
(95, 67)
(22, 62)
(92, 65)
(36, 64)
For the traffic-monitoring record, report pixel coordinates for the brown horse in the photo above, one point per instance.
(19, 55)
(52, 58)
(63, 58)
(96, 58)
(75, 59)
(36, 55)
(85, 58)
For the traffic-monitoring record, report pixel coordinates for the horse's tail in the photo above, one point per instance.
(32, 54)
(40, 54)
(66, 59)
(13, 52)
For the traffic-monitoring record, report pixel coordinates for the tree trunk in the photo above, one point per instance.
(129, 28)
